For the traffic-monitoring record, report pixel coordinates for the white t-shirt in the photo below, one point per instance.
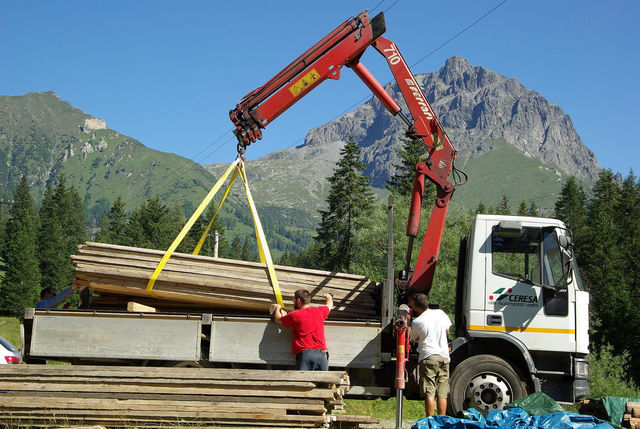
(430, 329)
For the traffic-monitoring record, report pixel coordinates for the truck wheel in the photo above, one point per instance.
(484, 382)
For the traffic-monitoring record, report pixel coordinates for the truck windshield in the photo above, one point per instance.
(520, 256)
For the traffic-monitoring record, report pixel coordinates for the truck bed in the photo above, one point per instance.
(84, 336)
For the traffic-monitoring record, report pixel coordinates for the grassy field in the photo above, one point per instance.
(385, 409)
(10, 330)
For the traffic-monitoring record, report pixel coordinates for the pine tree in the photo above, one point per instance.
(246, 253)
(503, 207)
(602, 263)
(62, 228)
(533, 209)
(20, 287)
(412, 152)
(216, 227)
(349, 201)
(481, 209)
(235, 250)
(114, 225)
(627, 227)
(523, 210)
(571, 208)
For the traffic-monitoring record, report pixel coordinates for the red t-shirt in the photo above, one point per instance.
(308, 328)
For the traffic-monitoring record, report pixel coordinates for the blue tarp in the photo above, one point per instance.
(511, 418)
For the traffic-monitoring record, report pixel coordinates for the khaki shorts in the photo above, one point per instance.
(434, 376)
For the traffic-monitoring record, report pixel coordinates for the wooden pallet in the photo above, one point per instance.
(65, 395)
(215, 283)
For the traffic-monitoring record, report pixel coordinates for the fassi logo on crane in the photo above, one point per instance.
(394, 58)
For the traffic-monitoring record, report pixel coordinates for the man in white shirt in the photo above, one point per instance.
(431, 329)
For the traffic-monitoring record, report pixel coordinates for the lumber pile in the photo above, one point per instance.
(113, 396)
(205, 283)
(631, 417)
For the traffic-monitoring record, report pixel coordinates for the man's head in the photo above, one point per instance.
(47, 293)
(419, 302)
(301, 297)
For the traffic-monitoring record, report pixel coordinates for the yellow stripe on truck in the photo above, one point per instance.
(521, 329)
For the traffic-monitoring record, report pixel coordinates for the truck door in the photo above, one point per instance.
(525, 296)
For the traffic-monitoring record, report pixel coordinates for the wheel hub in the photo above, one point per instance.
(487, 392)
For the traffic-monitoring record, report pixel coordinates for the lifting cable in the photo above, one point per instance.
(238, 168)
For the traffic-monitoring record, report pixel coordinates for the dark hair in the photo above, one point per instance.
(420, 300)
(47, 290)
(303, 295)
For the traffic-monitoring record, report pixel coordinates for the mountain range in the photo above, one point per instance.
(511, 141)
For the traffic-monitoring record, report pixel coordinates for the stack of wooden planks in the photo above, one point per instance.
(631, 418)
(200, 282)
(112, 396)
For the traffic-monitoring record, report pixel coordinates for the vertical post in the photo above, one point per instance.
(402, 334)
(387, 293)
(216, 237)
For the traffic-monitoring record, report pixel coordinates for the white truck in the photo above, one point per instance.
(520, 327)
(521, 322)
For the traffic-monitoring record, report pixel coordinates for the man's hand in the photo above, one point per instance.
(273, 308)
(277, 312)
(328, 300)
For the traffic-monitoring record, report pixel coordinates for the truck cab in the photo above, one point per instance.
(521, 314)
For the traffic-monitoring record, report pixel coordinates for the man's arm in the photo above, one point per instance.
(278, 314)
(328, 301)
(55, 301)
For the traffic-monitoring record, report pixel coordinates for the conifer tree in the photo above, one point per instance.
(602, 262)
(571, 208)
(62, 228)
(533, 209)
(235, 250)
(349, 201)
(246, 254)
(20, 287)
(114, 225)
(523, 209)
(216, 226)
(481, 208)
(503, 207)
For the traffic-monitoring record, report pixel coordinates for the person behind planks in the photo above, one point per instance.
(431, 329)
(49, 298)
(308, 343)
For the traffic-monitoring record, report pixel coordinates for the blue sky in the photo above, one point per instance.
(167, 72)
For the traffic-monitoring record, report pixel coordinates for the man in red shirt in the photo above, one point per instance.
(308, 343)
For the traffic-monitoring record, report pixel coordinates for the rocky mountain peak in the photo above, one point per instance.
(455, 70)
(477, 105)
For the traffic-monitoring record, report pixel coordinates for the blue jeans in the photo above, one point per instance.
(312, 360)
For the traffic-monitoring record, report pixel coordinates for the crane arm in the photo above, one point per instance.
(343, 47)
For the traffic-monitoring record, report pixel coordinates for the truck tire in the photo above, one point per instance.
(484, 382)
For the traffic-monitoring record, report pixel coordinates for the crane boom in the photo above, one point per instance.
(344, 46)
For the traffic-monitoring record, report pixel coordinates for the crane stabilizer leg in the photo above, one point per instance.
(402, 328)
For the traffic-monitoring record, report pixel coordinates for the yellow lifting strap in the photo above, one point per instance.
(265, 256)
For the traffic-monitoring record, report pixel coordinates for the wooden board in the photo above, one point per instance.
(56, 395)
(216, 283)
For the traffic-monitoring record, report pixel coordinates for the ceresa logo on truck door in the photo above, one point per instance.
(504, 296)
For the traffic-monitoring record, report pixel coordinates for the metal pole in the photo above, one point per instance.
(216, 237)
(387, 296)
(399, 400)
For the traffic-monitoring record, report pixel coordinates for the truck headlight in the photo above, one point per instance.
(581, 368)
